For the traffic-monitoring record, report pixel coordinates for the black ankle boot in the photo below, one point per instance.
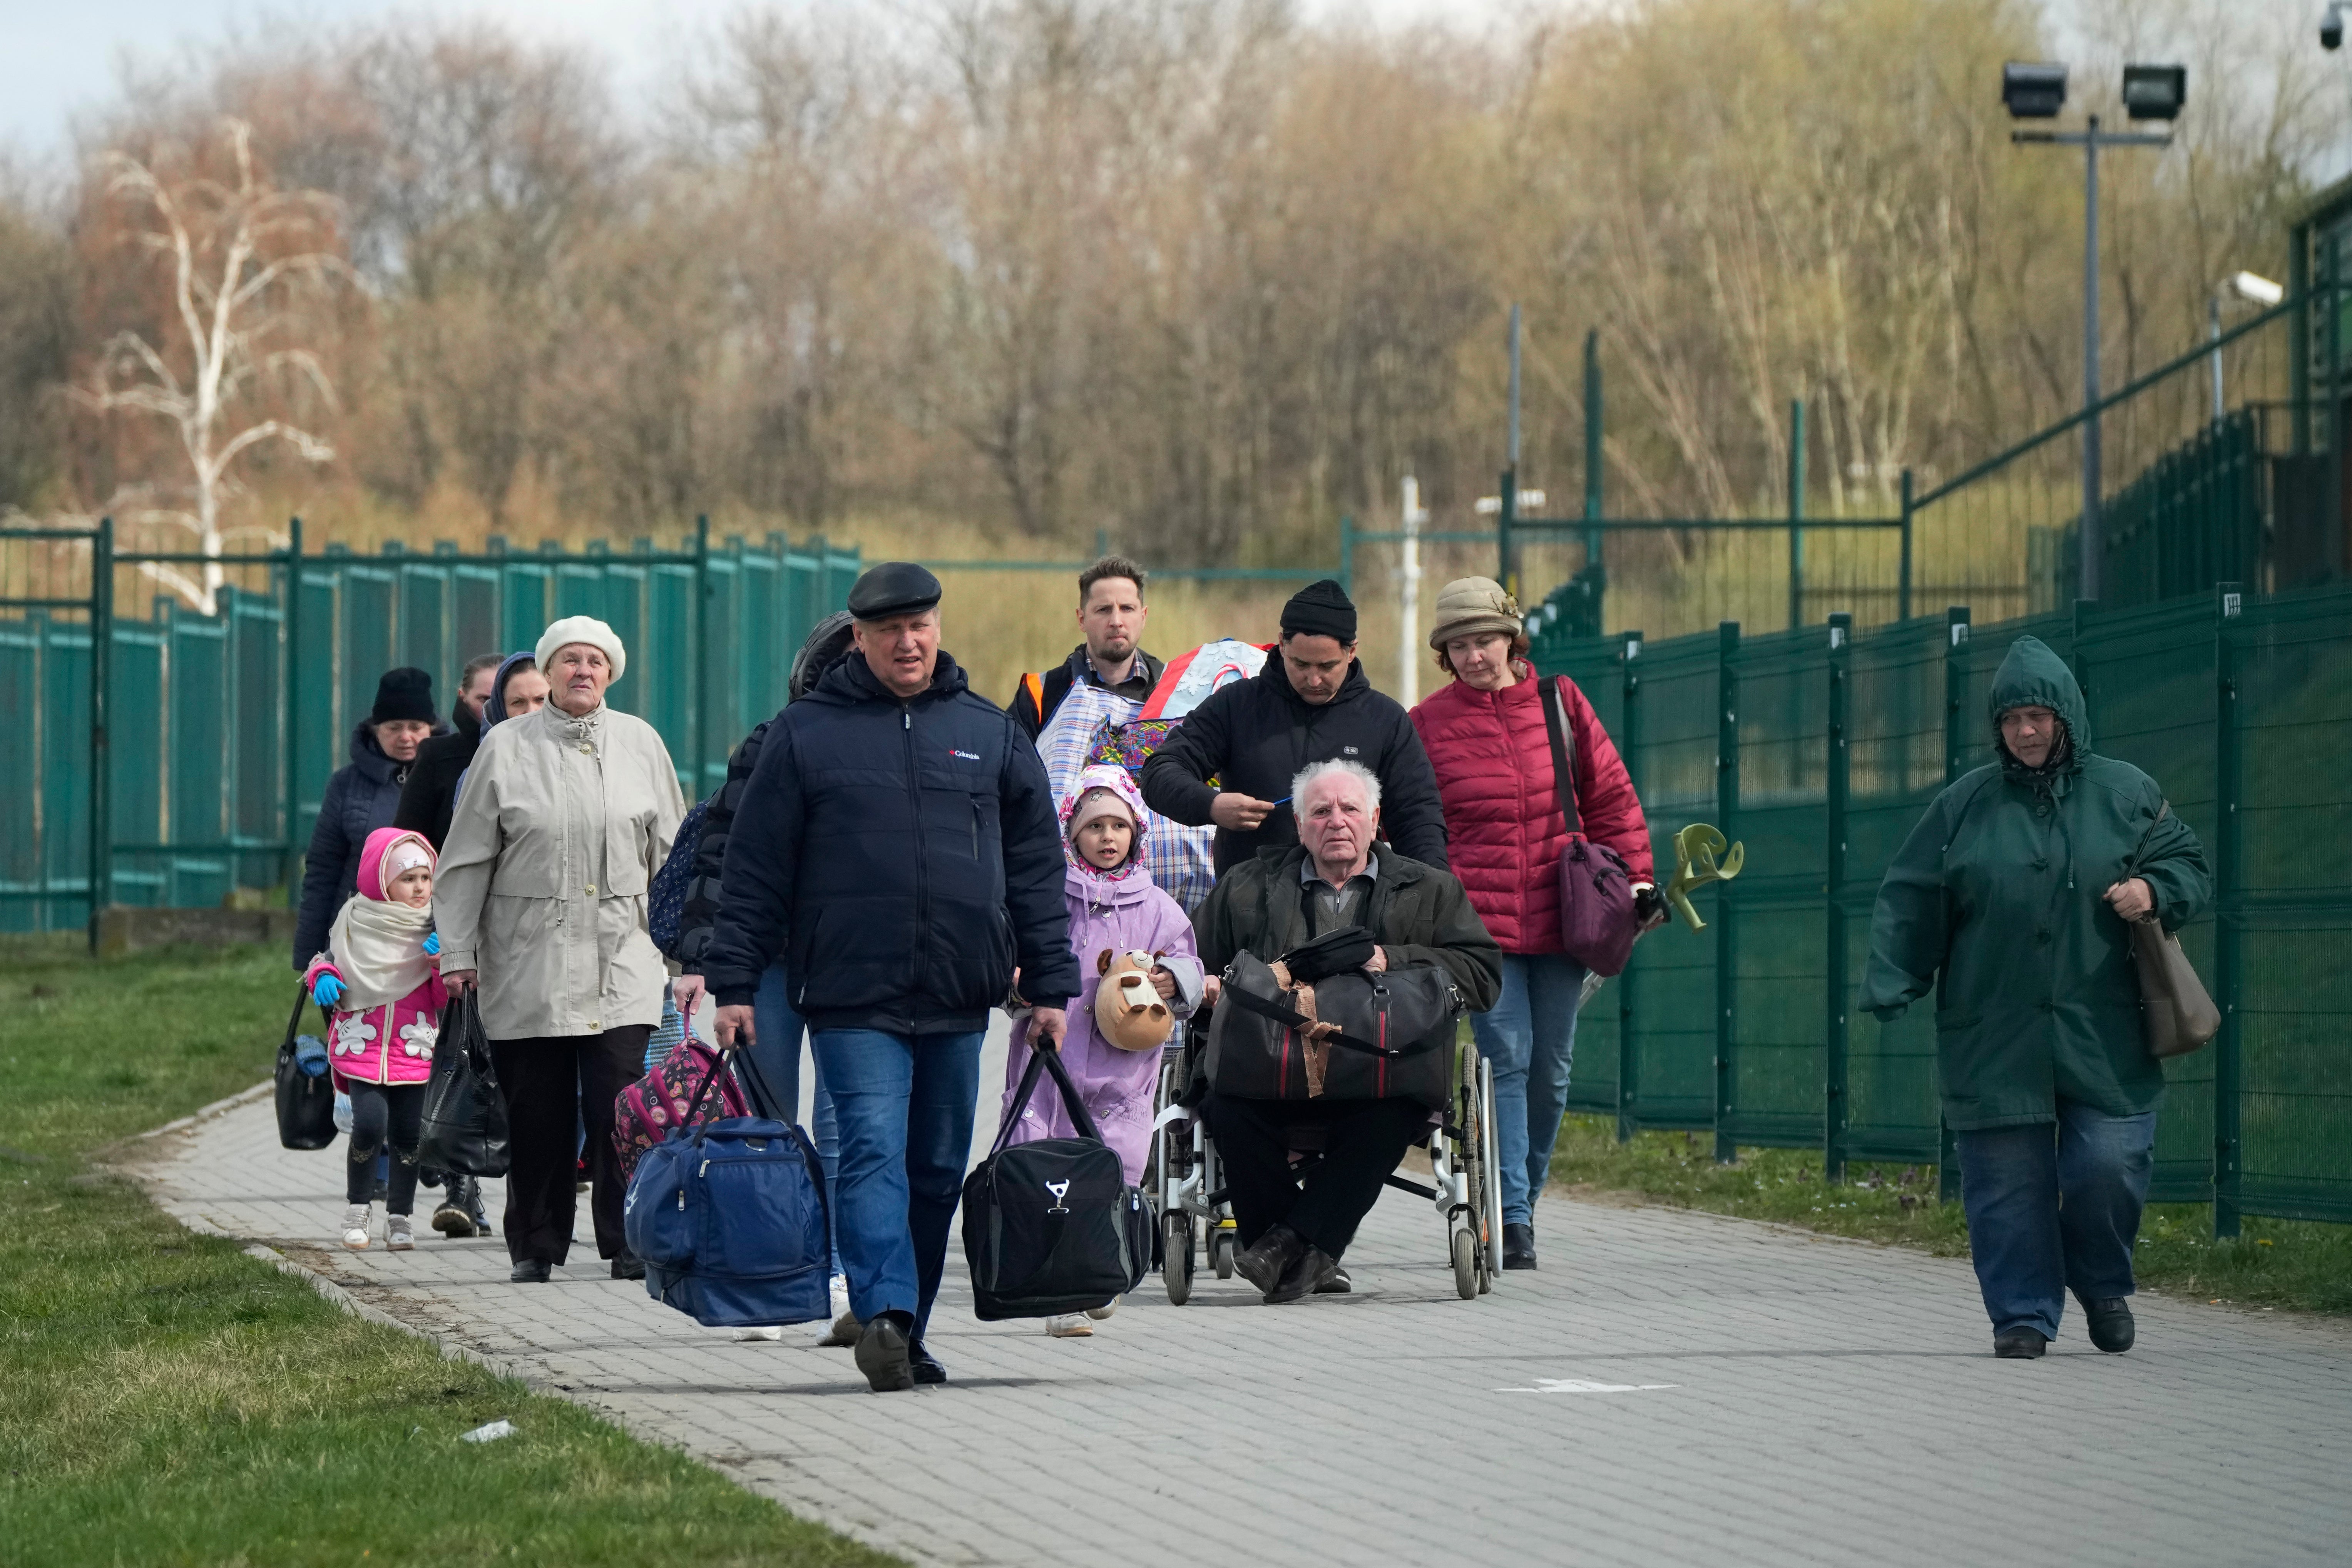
(2109, 1320)
(2019, 1344)
(1265, 1261)
(884, 1354)
(1518, 1245)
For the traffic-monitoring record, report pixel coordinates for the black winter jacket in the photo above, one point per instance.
(1255, 735)
(361, 798)
(909, 854)
(706, 891)
(430, 792)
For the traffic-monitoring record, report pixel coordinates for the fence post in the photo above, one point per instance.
(1834, 1099)
(1796, 512)
(100, 879)
(1504, 515)
(1902, 587)
(290, 621)
(1348, 554)
(1726, 924)
(1629, 1058)
(2228, 973)
(1955, 751)
(697, 736)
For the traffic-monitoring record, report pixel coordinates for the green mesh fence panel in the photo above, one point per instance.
(21, 882)
(321, 740)
(424, 629)
(256, 736)
(1598, 668)
(669, 682)
(136, 748)
(475, 594)
(369, 594)
(198, 777)
(65, 771)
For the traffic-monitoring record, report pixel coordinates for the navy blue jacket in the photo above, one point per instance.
(909, 850)
(359, 799)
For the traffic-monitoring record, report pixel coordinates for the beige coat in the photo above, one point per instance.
(553, 847)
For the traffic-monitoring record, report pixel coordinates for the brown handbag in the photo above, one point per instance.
(2176, 1012)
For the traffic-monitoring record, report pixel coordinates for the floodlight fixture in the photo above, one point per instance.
(2256, 288)
(2155, 92)
(2032, 92)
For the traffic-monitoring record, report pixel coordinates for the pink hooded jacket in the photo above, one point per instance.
(391, 1043)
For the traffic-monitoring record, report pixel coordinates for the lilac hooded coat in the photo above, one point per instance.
(1116, 913)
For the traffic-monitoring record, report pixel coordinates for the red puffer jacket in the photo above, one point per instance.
(1502, 823)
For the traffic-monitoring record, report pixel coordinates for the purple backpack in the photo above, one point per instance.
(673, 1095)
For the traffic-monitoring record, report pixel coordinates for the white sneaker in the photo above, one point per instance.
(397, 1237)
(773, 1332)
(1100, 1313)
(355, 1226)
(837, 1295)
(1070, 1326)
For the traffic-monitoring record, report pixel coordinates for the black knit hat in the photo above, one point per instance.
(1320, 609)
(404, 693)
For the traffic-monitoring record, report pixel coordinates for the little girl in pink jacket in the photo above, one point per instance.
(380, 978)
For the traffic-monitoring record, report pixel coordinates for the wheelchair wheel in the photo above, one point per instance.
(1471, 1115)
(1466, 1263)
(1223, 1244)
(1491, 1264)
(1176, 1265)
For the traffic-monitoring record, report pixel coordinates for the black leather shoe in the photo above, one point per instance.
(2110, 1322)
(1265, 1261)
(531, 1271)
(1518, 1247)
(2019, 1344)
(628, 1265)
(882, 1354)
(1303, 1278)
(1337, 1284)
(926, 1366)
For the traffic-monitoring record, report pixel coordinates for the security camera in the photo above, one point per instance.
(2331, 28)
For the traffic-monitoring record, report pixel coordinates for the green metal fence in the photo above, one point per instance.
(163, 747)
(1820, 748)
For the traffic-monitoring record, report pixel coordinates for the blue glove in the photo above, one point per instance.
(433, 944)
(327, 990)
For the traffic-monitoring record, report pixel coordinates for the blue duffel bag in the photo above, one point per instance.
(729, 1217)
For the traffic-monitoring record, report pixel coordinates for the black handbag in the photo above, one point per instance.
(1264, 1043)
(1051, 1226)
(465, 1117)
(306, 1105)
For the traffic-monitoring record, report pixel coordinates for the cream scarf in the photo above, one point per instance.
(378, 947)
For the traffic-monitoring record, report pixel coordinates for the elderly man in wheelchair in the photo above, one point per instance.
(1346, 968)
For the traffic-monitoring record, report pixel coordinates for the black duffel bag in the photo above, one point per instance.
(306, 1102)
(1051, 1226)
(1393, 1028)
(465, 1119)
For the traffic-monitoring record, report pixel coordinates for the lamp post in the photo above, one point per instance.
(2038, 91)
(2250, 287)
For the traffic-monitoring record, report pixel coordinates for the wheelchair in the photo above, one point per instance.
(1185, 1182)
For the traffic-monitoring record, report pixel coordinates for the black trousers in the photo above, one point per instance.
(381, 1111)
(1364, 1141)
(552, 1085)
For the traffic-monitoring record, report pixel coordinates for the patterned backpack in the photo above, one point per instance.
(666, 900)
(671, 1096)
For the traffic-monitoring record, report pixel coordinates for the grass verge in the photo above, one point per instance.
(2288, 1264)
(169, 1399)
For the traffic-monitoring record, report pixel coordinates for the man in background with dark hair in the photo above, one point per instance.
(1111, 617)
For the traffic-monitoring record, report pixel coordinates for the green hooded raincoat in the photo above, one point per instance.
(1996, 900)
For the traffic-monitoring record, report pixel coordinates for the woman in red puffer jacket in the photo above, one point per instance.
(1504, 828)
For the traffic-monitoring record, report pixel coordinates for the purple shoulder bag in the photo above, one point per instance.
(1596, 892)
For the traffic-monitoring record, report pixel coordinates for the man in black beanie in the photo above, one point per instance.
(1310, 704)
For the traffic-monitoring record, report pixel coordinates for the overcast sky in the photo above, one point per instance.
(57, 56)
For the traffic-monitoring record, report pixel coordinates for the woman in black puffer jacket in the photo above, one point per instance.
(360, 797)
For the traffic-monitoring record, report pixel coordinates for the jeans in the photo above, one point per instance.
(1531, 1036)
(775, 1075)
(905, 1103)
(2053, 1210)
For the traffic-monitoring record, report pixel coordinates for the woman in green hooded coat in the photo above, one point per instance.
(2010, 898)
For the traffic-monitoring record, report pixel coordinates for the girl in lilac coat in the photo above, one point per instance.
(1114, 908)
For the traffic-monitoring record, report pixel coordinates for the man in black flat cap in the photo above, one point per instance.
(897, 845)
(1310, 704)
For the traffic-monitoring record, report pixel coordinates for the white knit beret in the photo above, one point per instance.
(582, 628)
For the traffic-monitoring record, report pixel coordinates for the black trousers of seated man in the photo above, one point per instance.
(552, 1084)
(1364, 1139)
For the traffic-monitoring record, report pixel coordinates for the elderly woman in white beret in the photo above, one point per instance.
(566, 815)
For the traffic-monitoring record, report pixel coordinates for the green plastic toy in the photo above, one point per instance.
(1695, 865)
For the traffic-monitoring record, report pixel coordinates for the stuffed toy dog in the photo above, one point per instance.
(1128, 1012)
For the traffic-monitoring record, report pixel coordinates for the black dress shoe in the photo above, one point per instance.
(2019, 1344)
(531, 1272)
(926, 1366)
(1518, 1245)
(1304, 1277)
(1265, 1262)
(628, 1265)
(2110, 1322)
(882, 1354)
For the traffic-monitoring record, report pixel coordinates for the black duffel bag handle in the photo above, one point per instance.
(1042, 1060)
(1249, 1002)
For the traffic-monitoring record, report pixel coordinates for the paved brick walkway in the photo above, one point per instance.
(1670, 1389)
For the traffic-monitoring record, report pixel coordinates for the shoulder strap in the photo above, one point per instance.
(1047, 1061)
(1292, 1019)
(1563, 750)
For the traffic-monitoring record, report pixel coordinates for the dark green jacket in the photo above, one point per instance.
(1419, 913)
(1995, 899)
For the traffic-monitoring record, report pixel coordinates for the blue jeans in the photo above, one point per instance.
(905, 1104)
(775, 1060)
(1531, 1036)
(2055, 1209)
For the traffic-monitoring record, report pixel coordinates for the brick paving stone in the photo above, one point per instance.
(1830, 1402)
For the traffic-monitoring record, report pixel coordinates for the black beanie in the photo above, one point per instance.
(404, 693)
(1320, 610)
